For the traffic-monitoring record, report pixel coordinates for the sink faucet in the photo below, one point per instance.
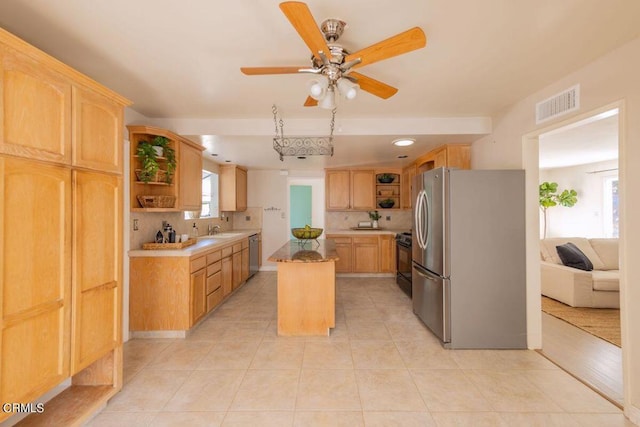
(213, 229)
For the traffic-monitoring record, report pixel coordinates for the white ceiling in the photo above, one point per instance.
(179, 61)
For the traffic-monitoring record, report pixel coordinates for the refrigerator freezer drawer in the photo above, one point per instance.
(431, 301)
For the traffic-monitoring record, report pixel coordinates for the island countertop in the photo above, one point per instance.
(309, 251)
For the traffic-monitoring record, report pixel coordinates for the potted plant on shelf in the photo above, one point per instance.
(386, 178)
(149, 153)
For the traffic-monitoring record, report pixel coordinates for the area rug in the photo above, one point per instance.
(603, 323)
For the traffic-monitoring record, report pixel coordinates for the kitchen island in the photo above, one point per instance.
(306, 287)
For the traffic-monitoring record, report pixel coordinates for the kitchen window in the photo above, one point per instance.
(210, 200)
(610, 208)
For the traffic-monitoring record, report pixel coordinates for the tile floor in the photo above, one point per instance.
(379, 367)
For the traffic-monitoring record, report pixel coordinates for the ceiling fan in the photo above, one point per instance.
(333, 64)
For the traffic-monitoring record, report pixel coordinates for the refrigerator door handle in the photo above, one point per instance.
(426, 274)
(421, 232)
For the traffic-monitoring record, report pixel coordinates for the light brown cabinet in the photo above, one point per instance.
(352, 189)
(60, 180)
(449, 155)
(198, 295)
(227, 273)
(233, 188)
(387, 253)
(185, 186)
(408, 173)
(364, 253)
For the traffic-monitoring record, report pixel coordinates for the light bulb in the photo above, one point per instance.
(347, 88)
(329, 100)
(318, 88)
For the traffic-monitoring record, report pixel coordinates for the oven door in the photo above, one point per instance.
(403, 268)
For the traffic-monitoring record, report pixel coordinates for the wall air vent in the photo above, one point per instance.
(558, 105)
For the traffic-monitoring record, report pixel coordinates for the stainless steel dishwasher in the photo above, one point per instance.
(253, 254)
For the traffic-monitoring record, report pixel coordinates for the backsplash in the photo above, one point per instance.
(249, 219)
(398, 220)
(150, 223)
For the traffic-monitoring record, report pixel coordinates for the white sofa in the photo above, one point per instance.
(578, 288)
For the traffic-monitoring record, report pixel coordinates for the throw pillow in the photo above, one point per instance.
(571, 256)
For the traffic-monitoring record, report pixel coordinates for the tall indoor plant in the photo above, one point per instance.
(549, 197)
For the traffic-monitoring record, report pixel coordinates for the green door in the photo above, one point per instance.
(300, 199)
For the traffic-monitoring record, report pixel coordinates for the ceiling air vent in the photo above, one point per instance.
(558, 105)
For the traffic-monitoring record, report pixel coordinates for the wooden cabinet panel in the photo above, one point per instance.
(36, 110)
(365, 254)
(244, 273)
(96, 283)
(35, 213)
(97, 132)
(190, 177)
(407, 182)
(387, 253)
(449, 155)
(233, 188)
(227, 276)
(440, 159)
(214, 281)
(338, 189)
(214, 298)
(343, 265)
(198, 295)
(363, 192)
(237, 269)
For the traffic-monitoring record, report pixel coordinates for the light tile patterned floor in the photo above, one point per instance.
(379, 367)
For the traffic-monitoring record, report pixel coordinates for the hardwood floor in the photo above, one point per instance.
(593, 361)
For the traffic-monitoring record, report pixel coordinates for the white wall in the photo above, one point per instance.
(585, 219)
(609, 82)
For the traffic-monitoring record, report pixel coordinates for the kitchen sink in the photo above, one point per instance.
(225, 235)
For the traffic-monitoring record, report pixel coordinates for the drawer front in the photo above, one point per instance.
(214, 268)
(237, 247)
(198, 263)
(226, 252)
(213, 257)
(213, 282)
(370, 240)
(340, 239)
(245, 243)
(214, 298)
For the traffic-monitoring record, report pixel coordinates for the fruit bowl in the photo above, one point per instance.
(306, 233)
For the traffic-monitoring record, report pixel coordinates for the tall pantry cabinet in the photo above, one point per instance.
(61, 191)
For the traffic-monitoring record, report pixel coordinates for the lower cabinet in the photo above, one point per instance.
(174, 293)
(364, 253)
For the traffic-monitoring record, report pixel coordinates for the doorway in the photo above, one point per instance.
(305, 203)
(582, 155)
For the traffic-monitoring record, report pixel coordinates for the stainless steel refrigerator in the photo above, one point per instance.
(468, 251)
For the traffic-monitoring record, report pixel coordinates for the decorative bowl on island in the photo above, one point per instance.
(306, 232)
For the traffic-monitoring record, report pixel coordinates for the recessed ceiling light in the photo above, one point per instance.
(404, 156)
(403, 142)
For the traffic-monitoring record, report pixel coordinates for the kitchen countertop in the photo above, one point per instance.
(204, 244)
(309, 251)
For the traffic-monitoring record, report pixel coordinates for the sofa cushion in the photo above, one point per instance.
(550, 254)
(607, 250)
(606, 280)
(571, 256)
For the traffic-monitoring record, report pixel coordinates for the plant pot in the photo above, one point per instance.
(159, 151)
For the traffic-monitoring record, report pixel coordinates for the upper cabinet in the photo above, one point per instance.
(350, 189)
(448, 156)
(165, 180)
(408, 173)
(32, 93)
(233, 188)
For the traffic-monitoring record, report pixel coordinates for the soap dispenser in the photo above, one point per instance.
(194, 230)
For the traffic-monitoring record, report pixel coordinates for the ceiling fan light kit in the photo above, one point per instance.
(333, 64)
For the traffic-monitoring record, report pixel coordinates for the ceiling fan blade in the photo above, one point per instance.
(310, 102)
(300, 16)
(251, 71)
(397, 45)
(374, 86)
